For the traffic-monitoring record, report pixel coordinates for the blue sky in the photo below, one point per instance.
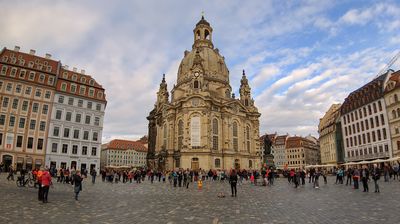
(299, 56)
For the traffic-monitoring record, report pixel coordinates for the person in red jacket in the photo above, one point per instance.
(46, 182)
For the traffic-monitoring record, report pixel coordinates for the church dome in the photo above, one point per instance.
(212, 63)
(203, 56)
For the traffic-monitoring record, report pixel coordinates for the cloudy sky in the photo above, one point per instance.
(300, 56)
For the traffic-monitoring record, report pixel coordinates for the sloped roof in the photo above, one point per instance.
(126, 144)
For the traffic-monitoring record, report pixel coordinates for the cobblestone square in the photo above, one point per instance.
(162, 203)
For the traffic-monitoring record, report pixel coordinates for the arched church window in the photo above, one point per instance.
(165, 135)
(235, 136)
(196, 84)
(246, 102)
(180, 134)
(396, 98)
(206, 35)
(248, 138)
(215, 134)
(195, 129)
(250, 164)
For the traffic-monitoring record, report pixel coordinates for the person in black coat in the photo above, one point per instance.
(77, 184)
(376, 175)
(364, 174)
(233, 181)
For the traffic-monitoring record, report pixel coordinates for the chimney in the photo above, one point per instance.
(32, 52)
(82, 71)
(74, 69)
(16, 48)
(48, 56)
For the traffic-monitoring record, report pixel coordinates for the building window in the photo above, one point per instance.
(89, 105)
(86, 135)
(98, 107)
(384, 133)
(84, 150)
(41, 78)
(54, 147)
(38, 93)
(73, 88)
(31, 76)
(94, 151)
(180, 134)
(66, 132)
(215, 134)
(50, 81)
(9, 87)
(87, 119)
(15, 104)
(80, 103)
(64, 86)
(18, 88)
(82, 90)
(76, 134)
(91, 92)
(32, 125)
(24, 105)
(42, 126)
(78, 118)
(4, 70)
(19, 141)
(21, 122)
(61, 99)
(5, 102)
(29, 144)
(195, 131)
(248, 138)
(58, 114)
(95, 136)
(45, 109)
(68, 116)
(382, 119)
(217, 163)
(74, 149)
(97, 121)
(64, 148)
(70, 101)
(40, 144)
(28, 90)
(56, 131)
(35, 107)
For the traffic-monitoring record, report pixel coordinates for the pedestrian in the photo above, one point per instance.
(316, 178)
(356, 177)
(233, 181)
(93, 173)
(364, 178)
(349, 176)
(39, 183)
(77, 184)
(10, 174)
(376, 176)
(46, 182)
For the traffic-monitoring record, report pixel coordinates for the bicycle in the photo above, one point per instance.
(23, 182)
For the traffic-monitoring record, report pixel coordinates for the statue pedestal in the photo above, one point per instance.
(269, 160)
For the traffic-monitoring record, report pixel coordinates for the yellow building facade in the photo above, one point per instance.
(202, 125)
(392, 101)
(327, 135)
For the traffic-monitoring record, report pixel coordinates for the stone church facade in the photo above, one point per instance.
(202, 124)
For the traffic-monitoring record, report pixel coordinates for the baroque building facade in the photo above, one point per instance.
(302, 151)
(280, 158)
(330, 147)
(27, 88)
(203, 125)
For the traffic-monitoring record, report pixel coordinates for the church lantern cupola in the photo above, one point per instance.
(245, 91)
(203, 34)
(162, 94)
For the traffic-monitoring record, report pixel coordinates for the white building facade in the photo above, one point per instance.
(279, 149)
(76, 125)
(365, 125)
(123, 153)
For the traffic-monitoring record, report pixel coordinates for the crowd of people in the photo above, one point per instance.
(183, 177)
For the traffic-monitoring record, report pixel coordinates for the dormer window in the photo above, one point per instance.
(5, 58)
(65, 75)
(74, 77)
(30, 65)
(100, 95)
(91, 82)
(83, 79)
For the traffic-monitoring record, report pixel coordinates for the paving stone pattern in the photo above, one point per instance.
(162, 203)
